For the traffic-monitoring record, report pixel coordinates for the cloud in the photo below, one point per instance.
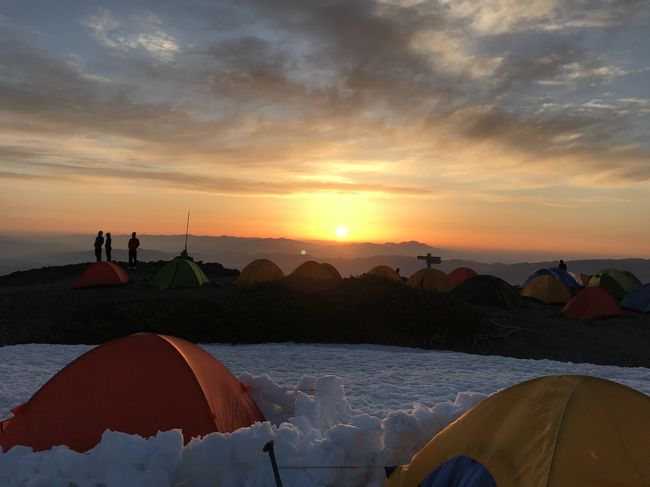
(111, 33)
(453, 91)
(198, 182)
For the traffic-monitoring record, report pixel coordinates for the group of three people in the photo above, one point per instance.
(107, 243)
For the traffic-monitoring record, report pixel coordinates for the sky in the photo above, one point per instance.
(468, 123)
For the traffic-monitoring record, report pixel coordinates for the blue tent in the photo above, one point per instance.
(563, 276)
(639, 299)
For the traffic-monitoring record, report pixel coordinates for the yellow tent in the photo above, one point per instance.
(385, 272)
(547, 289)
(313, 270)
(548, 432)
(431, 279)
(260, 270)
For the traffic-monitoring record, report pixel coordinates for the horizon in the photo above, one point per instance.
(508, 256)
(486, 126)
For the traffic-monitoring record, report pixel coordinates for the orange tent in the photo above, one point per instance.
(102, 274)
(590, 303)
(139, 384)
(460, 275)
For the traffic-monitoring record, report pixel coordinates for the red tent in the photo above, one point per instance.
(102, 274)
(590, 303)
(459, 275)
(139, 384)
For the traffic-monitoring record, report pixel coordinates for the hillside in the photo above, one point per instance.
(41, 306)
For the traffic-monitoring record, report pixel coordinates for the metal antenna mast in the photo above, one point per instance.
(187, 229)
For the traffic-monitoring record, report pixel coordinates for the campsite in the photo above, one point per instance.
(42, 307)
(328, 243)
(149, 388)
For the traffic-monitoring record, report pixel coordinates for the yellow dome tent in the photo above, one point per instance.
(313, 270)
(260, 270)
(548, 432)
(431, 279)
(547, 289)
(311, 277)
(385, 272)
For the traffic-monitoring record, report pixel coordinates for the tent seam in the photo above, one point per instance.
(557, 435)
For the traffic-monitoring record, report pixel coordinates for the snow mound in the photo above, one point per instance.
(318, 440)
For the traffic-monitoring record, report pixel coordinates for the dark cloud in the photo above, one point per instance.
(285, 83)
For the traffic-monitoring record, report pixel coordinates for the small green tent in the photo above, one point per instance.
(178, 273)
(616, 282)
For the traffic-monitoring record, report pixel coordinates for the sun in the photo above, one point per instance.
(341, 232)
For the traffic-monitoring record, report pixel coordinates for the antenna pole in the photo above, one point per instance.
(187, 228)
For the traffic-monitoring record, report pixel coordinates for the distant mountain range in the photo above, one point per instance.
(27, 252)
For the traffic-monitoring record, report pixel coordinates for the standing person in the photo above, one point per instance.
(108, 246)
(562, 265)
(99, 241)
(134, 243)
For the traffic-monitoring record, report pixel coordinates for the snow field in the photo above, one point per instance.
(352, 411)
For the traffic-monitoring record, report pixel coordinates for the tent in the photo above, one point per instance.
(139, 384)
(460, 275)
(591, 303)
(547, 289)
(616, 282)
(638, 300)
(260, 270)
(561, 275)
(334, 273)
(178, 273)
(547, 432)
(312, 277)
(384, 272)
(314, 270)
(102, 274)
(431, 279)
(489, 291)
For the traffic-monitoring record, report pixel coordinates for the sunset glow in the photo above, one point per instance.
(458, 124)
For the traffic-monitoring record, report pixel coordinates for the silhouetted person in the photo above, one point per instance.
(562, 265)
(99, 241)
(108, 246)
(134, 243)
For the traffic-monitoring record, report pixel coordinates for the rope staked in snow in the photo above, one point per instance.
(305, 467)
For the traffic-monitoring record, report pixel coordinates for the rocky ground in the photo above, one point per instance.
(41, 306)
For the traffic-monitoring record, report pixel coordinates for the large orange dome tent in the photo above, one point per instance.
(139, 384)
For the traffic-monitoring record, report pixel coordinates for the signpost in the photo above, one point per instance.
(430, 260)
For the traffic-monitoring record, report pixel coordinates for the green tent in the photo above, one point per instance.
(489, 291)
(616, 282)
(178, 273)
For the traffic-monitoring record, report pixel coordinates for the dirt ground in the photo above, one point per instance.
(42, 306)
